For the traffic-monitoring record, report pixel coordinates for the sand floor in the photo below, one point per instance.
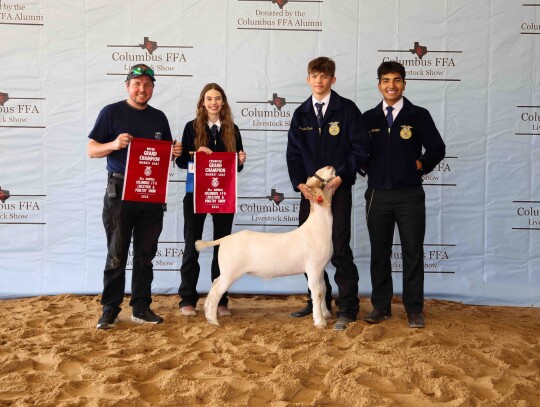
(51, 354)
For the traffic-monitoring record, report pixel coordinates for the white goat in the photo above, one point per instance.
(307, 249)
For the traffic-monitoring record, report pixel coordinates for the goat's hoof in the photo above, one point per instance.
(213, 321)
(320, 325)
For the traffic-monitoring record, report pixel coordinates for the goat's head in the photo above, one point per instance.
(322, 177)
(317, 183)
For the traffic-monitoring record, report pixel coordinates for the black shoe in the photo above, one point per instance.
(146, 317)
(108, 319)
(377, 315)
(416, 320)
(304, 312)
(342, 323)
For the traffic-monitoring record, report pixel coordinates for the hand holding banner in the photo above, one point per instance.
(147, 171)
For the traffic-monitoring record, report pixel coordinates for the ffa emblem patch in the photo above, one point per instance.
(334, 128)
(215, 182)
(148, 171)
(148, 45)
(405, 132)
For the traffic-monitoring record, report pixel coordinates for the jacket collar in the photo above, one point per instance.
(334, 104)
(408, 108)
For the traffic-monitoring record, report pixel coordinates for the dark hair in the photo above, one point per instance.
(322, 64)
(390, 67)
(225, 117)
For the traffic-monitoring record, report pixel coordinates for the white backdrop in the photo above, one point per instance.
(62, 61)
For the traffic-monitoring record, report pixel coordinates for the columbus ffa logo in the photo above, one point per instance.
(277, 101)
(405, 132)
(280, 3)
(148, 171)
(215, 182)
(4, 97)
(4, 194)
(419, 50)
(275, 196)
(334, 128)
(148, 45)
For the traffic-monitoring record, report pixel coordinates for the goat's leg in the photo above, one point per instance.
(326, 313)
(219, 287)
(210, 305)
(318, 290)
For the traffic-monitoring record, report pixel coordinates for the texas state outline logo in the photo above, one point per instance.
(280, 3)
(419, 50)
(277, 101)
(148, 45)
(276, 197)
(4, 97)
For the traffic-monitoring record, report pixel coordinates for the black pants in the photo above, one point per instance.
(190, 269)
(407, 209)
(122, 220)
(346, 276)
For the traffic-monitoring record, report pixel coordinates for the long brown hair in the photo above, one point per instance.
(225, 117)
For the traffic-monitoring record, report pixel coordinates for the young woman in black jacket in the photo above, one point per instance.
(212, 130)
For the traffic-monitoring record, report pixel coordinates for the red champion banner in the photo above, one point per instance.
(147, 170)
(215, 183)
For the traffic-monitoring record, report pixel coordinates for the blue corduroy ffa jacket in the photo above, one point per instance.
(341, 143)
(393, 155)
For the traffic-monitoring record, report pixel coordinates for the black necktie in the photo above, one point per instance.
(389, 116)
(214, 130)
(319, 113)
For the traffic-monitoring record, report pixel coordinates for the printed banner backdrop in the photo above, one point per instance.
(474, 65)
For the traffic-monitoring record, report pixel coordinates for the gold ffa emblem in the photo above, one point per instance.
(405, 132)
(334, 128)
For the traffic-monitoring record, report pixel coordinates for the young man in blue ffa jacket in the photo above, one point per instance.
(398, 132)
(328, 129)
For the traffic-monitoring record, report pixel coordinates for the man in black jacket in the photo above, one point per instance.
(404, 145)
(328, 129)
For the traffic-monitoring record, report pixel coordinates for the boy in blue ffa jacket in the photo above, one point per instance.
(404, 145)
(328, 129)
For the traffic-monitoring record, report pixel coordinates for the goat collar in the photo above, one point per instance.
(324, 182)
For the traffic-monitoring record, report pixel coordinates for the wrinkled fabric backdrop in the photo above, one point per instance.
(474, 65)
